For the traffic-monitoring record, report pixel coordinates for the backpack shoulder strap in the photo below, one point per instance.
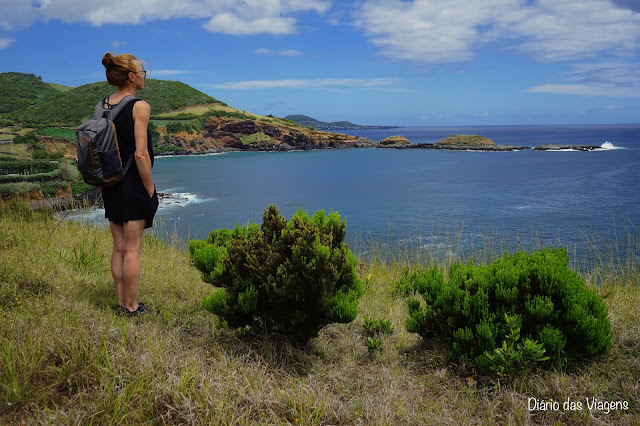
(101, 111)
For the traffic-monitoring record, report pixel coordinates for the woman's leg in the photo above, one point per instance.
(131, 263)
(117, 259)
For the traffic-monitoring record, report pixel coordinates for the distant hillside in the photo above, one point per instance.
(69, 108)
(60, 87)
(19, 91)
(335, 125)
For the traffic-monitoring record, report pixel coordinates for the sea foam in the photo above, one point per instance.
(180, 199)
(609, 146)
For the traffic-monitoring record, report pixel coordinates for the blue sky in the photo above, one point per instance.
(393, 62)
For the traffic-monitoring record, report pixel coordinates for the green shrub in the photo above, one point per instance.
(17, 188)
(35, 177)
(373, 327)
(14, 166)
(50, 189)
(167, 148)
(514, 356)
(27, 138)
(469, 311)
(373, 330)
(79, 187)
(155, 134)
(287, 277)
(175, 127)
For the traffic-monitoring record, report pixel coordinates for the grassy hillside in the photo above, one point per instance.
(68, 359)
(60, 87)
(20, 91)
(72, 107)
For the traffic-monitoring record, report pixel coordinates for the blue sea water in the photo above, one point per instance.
(557, 197)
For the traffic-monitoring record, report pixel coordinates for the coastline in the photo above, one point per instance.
(377, 145)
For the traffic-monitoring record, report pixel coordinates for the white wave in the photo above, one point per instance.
(89, 215)
(609, 146)
(181, 199)
(190, 155)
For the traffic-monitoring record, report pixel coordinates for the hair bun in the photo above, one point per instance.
(107, 60)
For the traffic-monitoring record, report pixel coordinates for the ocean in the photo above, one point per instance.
(424, 197)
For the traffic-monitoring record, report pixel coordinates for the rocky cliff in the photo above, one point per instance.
(252, 135)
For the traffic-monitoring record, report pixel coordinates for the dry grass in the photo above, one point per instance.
(67, 359)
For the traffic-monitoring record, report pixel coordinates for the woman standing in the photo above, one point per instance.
(130, 205)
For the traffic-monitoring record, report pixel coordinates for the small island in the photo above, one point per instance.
(452, 143)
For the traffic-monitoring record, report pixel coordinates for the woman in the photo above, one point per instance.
(131, 205)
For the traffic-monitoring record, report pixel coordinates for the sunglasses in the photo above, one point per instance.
(143, 72)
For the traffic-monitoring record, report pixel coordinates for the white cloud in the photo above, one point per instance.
(587, 90)
(263, 51)
(575, 29)
(165, 73)
(623, 74)
(286, 52)
(306, 83)
(445, 31)
(229, 23)
(291, 52)
(597, 79)
(6, 42)
(238, 17)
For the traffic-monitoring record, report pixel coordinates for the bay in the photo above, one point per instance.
(420, 196)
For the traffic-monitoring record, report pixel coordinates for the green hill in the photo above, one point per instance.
(60, 87)
(19, 91)
(73, 106)
(334, 125)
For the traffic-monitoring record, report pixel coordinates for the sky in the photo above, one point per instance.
(375, 62)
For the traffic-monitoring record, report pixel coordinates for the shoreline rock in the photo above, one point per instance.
(557, 147)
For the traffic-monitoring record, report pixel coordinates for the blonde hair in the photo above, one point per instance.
(118, 67)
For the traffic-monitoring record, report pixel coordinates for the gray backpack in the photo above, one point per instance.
(98, 153)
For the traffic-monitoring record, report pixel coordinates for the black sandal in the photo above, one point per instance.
(142, 308)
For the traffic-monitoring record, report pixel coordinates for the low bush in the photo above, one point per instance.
(176, 127)
(13, 166)
(27, 138)
(479, 307)
(167, 148)
(79, 187)
(19, 210)
(374, 330)
(35, 177)
(10, 190)
(289, 277)
(51, 189)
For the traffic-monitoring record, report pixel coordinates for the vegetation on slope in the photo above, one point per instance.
(20, 91)
(68, 359)
(74, 106)
(463, 140)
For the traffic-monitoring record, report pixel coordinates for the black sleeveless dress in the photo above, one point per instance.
(129, 200)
